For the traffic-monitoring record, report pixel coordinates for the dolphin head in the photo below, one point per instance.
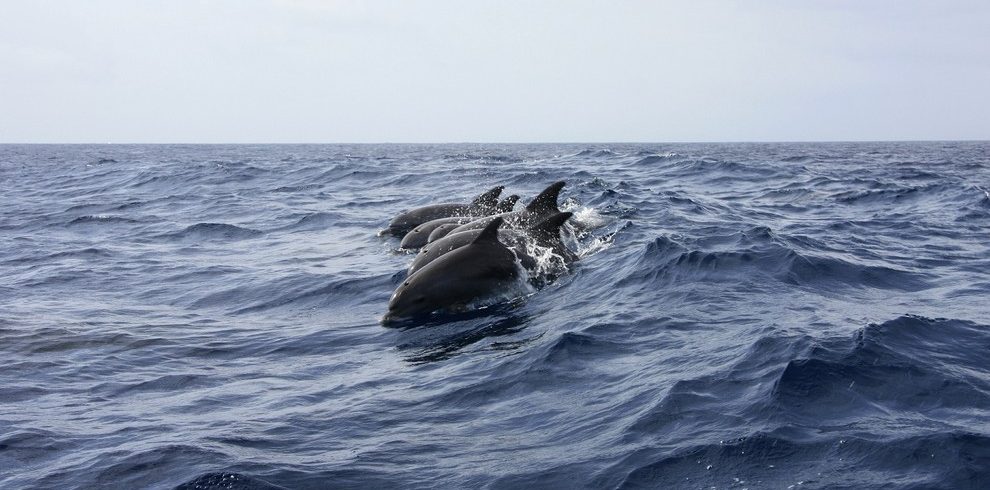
(445, 285)
(411, 300)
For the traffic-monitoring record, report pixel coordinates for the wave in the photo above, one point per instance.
(884, 372)
(452, 334)
(666, 261)
(101, 220)
(897, 365)
(563, 359)
(949, 459)
(227, 481)
(297, 188)
(904, 194)
(212, 231)
(86, 254)
(713, 168)
(156, 180)
(130, 469)
(985, 198)
(314, 222)
(575, 349)
(481, 157)
(656, 158)
(27, 446)
(596, 153)
(237, 170)
(166, 383)
(294, 291)
(101, 207)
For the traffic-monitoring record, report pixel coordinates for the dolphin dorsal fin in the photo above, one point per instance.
(550, 227)
(489, 198)
(490, 233)
(507, 204)
(546, 202)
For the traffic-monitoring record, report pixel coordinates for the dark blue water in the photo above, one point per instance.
(744, 315)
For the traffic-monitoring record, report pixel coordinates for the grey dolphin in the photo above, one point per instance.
(419, 236)
(543, 205)
(506, 205)
(440, 232)
(477, 270)
(483, 205)
(546, 233)
(546, 201)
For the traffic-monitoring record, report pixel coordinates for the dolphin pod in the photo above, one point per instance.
(475, 251)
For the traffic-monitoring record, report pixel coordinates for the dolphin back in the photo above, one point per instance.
(487, 202)
(483, 205)
(546, 201)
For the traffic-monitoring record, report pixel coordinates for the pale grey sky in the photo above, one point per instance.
(492, 71)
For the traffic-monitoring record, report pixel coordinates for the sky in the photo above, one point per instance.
(368, 71)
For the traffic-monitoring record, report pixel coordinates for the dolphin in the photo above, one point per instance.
(543, 205)
(506, 205)
(441, 231)
(477, 270)
(483, 205)
(546, 234)
(419, 236)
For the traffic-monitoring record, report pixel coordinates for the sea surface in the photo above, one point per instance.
(743, 316)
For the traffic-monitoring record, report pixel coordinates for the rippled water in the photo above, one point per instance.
(745, 315)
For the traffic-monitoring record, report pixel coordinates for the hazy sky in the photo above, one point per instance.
(492, 71)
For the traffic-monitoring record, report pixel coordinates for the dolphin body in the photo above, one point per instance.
(483, 205)
(545, 234)
(440, 232)
(420, 235)
(477, 270)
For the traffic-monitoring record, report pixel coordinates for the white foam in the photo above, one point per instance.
(594, 246)
(548, 263)
(588, 218)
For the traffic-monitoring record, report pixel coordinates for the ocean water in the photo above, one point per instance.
(743, 316)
